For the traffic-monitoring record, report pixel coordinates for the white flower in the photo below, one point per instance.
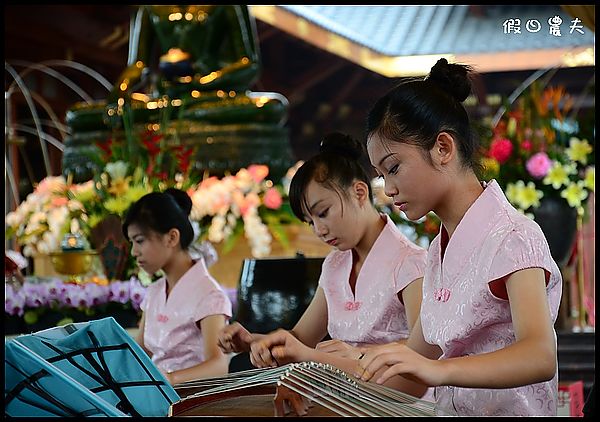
(116, 169)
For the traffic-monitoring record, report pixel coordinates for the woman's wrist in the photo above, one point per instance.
(310, 354)
(445, 370)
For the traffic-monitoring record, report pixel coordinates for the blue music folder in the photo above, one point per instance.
(84, 369)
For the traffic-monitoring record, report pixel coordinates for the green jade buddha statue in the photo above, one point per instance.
(198, 92)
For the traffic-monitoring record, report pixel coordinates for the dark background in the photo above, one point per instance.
(326, 92)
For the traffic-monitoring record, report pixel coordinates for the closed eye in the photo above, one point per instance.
(323, 214)
(138, 240)
(393, 170)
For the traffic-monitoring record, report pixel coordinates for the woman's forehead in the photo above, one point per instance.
(379, 147)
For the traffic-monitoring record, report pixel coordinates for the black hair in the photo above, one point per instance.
(337, 165)
(161, 212)
(417, 110)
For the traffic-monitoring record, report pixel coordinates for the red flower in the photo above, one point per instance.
(183, 157)
(500, 129)
(431, 226)
(501, 149)
(526, 145)
(106, 147)
(151, 141)
(150, 168)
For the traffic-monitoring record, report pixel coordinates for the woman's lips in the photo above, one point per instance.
(401, 205)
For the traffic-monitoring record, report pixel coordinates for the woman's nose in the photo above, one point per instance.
(389, 189)
(320, 229)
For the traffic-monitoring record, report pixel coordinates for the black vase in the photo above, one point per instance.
(273, 293)
(558, 221)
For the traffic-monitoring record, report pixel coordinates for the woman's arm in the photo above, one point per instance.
(411, 297)
(215, 361)
(311, 328)
(531, 359)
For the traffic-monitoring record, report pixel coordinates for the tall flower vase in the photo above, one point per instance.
(558, 221)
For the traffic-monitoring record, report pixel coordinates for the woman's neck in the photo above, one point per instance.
(375, 225)
(462, 193)
(176, 268)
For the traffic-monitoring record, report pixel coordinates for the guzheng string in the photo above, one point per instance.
(250, 378)
(324, 384)
(345, 395)
(218, 381)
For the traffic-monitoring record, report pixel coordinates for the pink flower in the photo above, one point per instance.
(248, 202)
(538, 165)
(258, 172)
(272, 199)
(501, 150)
(59, 202)
(526, 145)
(206, 183)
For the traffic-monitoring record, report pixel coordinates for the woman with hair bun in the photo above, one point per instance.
(183, 311)
(485, 336)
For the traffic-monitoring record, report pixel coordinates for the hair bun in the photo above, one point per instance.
(452, 78)
(340, 144)
(181, 198)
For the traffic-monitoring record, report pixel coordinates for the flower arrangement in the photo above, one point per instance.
(40, 222)
(72, 302)
(147, 148)
(534, 153)
(111, 192)
(247, 203)
(224, 208)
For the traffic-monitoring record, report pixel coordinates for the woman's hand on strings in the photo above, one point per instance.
(339, 348)
(399, 360)
(234, 338)
(278, 348)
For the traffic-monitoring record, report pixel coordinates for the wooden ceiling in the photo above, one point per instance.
(326, 92)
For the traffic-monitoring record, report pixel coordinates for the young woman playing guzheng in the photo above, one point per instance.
(370, 285)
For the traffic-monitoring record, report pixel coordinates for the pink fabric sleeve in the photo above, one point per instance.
(325, 266)
(409, 269)
(215, 303)
(524, 247)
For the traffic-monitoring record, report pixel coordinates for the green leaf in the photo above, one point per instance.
(64, 321)
(30, 317)
(230, 241)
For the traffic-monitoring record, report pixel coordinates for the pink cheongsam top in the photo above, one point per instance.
(171, 333)
(460, 314)
(374, 314)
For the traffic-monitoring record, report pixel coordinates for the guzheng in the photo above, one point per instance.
(330, 391)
